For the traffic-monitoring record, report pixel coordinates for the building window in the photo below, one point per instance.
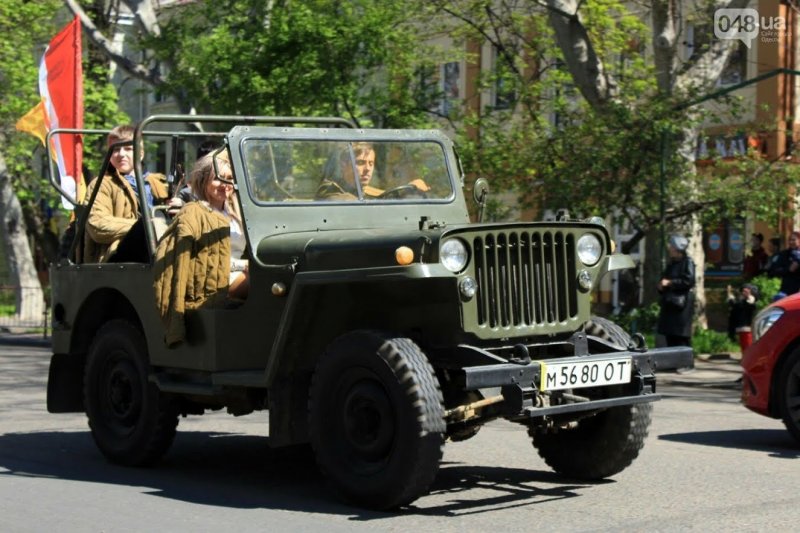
(504, 94)
(450, 77)
(736, 69)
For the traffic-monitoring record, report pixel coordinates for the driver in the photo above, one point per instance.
(340, 182)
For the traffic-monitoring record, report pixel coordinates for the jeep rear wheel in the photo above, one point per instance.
(600, 446)
(131, 421)
(376, 419)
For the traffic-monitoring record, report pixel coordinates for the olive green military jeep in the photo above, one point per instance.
(380, 321)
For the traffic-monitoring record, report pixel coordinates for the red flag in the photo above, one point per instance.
(61, 89)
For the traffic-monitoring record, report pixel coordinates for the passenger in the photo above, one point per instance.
(198, 262)
(216, 190)
(116, 207)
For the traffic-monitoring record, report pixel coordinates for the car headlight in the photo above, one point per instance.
(765, 320)
(453, 255)
(589, 249)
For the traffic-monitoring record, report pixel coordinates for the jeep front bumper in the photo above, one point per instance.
(522, 386)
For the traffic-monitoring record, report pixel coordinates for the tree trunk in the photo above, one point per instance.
(694, 229)
(698, 255)
(29, 297)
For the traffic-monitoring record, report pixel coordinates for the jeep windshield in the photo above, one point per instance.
(314, 171)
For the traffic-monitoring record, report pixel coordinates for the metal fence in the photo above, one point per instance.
(24, 310)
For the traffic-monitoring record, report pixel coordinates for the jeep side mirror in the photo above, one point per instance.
(480, 192)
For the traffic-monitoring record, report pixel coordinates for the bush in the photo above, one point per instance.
(639, 319)
(767, 288)
(710, 341)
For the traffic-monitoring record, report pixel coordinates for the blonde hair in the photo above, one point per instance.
(203, 172)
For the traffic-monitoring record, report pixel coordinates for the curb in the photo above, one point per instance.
(25, 340)
(711, 357)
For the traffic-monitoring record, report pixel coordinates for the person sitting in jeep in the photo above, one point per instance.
(339, 182)
(116, 207)
(199, 260)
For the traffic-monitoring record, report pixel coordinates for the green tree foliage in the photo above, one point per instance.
(27, 28)
(318, 57)
(558, 149)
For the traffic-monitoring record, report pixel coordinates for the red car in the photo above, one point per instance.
(771, 365)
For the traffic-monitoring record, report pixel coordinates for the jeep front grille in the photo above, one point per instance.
(525, 278)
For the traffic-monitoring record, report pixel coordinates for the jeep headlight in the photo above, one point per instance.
(453, 255)
(765, 320)
(589, 249)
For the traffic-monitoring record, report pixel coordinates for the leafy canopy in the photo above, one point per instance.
(317, 57)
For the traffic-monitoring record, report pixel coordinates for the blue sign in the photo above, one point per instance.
(714, 241)
(735, 241)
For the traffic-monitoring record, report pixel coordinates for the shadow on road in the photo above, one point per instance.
(243, 472)
(775, 442)
(497, 489)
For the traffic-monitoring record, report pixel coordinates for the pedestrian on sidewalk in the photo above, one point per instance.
(756, 260)
(787, 267)
(740, 317)
(677, 298)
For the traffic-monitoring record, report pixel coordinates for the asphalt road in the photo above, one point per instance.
(708, 465)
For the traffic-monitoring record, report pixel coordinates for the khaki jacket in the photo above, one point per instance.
(330, 190)
(192, 267)
(114, 211)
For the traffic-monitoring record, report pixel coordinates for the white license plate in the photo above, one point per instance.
(578, 374)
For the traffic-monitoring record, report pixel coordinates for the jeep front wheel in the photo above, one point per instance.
(600, 446)
(376, 419)
(603, 444)
(131, 421)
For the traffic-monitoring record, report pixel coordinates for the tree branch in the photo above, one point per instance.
(587, 69)
(137, 70)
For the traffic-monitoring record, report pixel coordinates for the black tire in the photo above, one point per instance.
(789, 394)
(607, 330)
(376, 419)
(603, 444)
(132, 423)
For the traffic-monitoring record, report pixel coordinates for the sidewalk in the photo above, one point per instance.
(718, 370)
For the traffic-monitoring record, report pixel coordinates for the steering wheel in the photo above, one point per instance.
(403, 191)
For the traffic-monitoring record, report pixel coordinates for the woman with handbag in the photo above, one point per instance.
(677, 297)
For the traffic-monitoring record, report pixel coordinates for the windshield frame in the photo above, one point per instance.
(265, 219)
(321, 135)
